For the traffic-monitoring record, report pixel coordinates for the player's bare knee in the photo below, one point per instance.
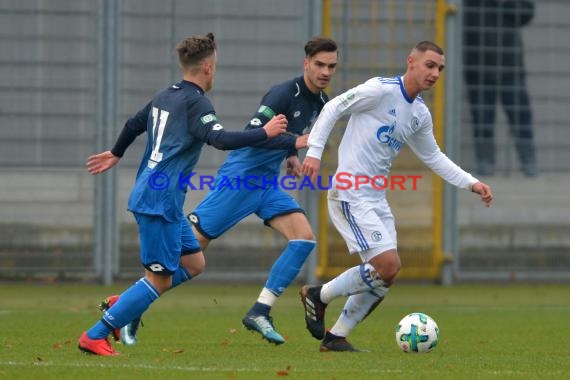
(390, 271)
(194, 263)
(388, 276)
(387, 265)
(195, 269)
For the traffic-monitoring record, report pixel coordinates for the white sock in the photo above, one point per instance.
(356, 308)
(266, 297)
(355, 280)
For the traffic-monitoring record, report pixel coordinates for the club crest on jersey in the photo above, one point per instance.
(384, 135)
(415, 123)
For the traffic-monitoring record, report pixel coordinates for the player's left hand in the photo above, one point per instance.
(294, 166)
(484, 191)
(276, 126)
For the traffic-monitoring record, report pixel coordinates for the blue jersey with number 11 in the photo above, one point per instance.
(178, 122)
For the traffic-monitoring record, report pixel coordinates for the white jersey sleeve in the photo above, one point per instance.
(361, 98)
(424, 145)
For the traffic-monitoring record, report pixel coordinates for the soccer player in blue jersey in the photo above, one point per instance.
(254, 170)
(178, 121)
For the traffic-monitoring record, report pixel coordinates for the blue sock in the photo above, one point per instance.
(180, 276)
(131, 304)
(288, 265)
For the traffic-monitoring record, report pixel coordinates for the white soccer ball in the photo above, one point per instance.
(417, 332)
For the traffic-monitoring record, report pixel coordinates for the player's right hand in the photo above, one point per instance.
(484, 191)
(276, 126)
(98, 163)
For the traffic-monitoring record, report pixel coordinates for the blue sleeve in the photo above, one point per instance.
(225, 140)
(135, 126)
(204, 125)
(284, 141)
(292, 152)
(275, 102)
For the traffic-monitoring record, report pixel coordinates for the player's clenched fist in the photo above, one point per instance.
(276, 126)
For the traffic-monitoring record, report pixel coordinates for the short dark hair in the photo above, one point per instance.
(317, 44)
(424, 46)
(192, 50)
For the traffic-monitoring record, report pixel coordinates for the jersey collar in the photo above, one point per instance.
(408, 99)
(186, 84)
(304, 90)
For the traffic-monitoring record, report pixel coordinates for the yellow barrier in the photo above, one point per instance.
(375, 37)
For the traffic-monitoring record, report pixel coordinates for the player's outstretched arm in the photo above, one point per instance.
(135, 126)
(221, 139)
(98, 163)
(276, 126)
(311, 167)
(484, 191)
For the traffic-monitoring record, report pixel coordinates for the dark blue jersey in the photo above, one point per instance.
(301, 107)
(178, 121)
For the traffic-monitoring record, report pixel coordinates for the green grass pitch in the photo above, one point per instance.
(492, 331)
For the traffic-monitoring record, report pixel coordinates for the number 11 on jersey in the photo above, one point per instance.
(159, 118)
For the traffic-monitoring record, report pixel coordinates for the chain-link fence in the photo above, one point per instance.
(50, 100)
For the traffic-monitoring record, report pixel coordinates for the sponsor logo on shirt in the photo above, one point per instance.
(384, 135)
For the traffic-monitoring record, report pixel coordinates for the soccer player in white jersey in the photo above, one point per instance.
(385, 114)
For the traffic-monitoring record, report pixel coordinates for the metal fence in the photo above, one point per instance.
(52, 117)
(522, 236)
(72, 72)
(513, 69)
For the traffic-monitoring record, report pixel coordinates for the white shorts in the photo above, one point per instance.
(367, 228)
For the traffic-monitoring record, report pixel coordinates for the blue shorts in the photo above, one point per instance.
(222, 209)
(163, 242)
